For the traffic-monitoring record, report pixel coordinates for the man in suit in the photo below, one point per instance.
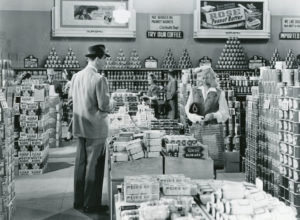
(91, 105)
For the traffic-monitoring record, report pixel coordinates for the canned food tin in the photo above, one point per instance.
(281, 91)
(296, 175)
(296, 92)
(281, 136)
(290, 159)
(296, 104)
(286, 115)
(281, 114)
(281, 125)
(291, 127)
(296, 127)
(296, 116)
(281, 158)
(290, 138)
(283, 148)
(291, 103)
(296, 140)
(285, 160)
(291, 173)
(285, 137)
(294, 186)
(285, 125)
(296, 163)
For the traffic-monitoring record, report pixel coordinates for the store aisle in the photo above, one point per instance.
(50, 196)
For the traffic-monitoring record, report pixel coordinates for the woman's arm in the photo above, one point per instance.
(223, 114)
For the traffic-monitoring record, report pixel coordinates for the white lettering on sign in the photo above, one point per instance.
(225, 16)
(165, 22)
(291, 24)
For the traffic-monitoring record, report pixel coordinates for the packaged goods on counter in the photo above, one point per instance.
(144, 116)
(127, 99)
(184, 146)
(170, 126)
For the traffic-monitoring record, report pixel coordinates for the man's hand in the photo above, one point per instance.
(209, 117)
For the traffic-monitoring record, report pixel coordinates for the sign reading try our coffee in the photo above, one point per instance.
(165, 26)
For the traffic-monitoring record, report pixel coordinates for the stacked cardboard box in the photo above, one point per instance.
(152, 142)
(55, 121)
(252, 134)
(31, 106)
(7, 172)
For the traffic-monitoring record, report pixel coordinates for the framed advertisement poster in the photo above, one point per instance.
(238, 18)
(92, 18)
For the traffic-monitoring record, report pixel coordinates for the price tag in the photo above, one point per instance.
(267, 104)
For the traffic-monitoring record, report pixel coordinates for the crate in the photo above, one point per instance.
(193, 168)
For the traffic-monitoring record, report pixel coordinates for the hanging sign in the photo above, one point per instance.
(165, 26)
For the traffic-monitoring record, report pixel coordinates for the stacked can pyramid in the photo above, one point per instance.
(233, 56)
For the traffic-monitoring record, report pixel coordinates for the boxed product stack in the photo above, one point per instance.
(31, 106)
(233, 200)
(127, 99)
(252, 127)
(185, 61)
(7, 168)
(134, 60)
(268, 138)
(169, 60)
(141, 189)
(53, 60)
(119, 147)
(55, 124)
(184, 146)
(70, 60)
(153, 143)
(233, 56)
(6, 72)
(144, 116)
(169, 126)
(120, 120)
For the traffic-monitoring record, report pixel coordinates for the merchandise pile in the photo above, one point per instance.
(120, 120)
(129, 146)
(185, 61)
(134, 60)
(233, 56)
(7, 167)
(55, 121)
(275, 58)
(120, 62)
(158, 197)
(144, 116)
(6, 71)
(70, 60)
(108, 61)
(233, 200)
(127, 99)
(169, 60)
(169, 126)
(53, 60)
(31, 107)
(290, 60)
(184, 146)
(252, 127)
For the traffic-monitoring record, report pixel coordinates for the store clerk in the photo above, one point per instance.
(206, 103)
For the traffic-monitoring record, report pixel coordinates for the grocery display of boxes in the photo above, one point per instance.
(31, 132)
(7, 167)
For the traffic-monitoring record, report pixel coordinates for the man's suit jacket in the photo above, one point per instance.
(91, 103)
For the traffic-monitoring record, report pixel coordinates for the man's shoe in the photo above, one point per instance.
(91, 209)
(77, 206)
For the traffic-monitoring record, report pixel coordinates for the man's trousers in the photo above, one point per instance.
(89, 172)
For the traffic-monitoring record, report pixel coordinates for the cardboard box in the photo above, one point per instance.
(232, 162)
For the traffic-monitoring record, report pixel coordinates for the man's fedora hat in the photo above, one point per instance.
(97, 51)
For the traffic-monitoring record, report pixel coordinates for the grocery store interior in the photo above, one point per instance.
(194, 112)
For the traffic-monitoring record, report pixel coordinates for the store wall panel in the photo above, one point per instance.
(29, 33)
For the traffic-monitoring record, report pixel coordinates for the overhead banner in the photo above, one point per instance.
(232, 15)
(164, 23)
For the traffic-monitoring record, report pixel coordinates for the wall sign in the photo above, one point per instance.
(290, 29)
(240, 18)
(164, 23)
(165, 34)
(290, 24)
(256, 62)
(165, 26)
(30, 62)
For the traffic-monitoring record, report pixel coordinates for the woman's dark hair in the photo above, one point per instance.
(153, 77)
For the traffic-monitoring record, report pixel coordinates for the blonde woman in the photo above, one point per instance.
(206, 103)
